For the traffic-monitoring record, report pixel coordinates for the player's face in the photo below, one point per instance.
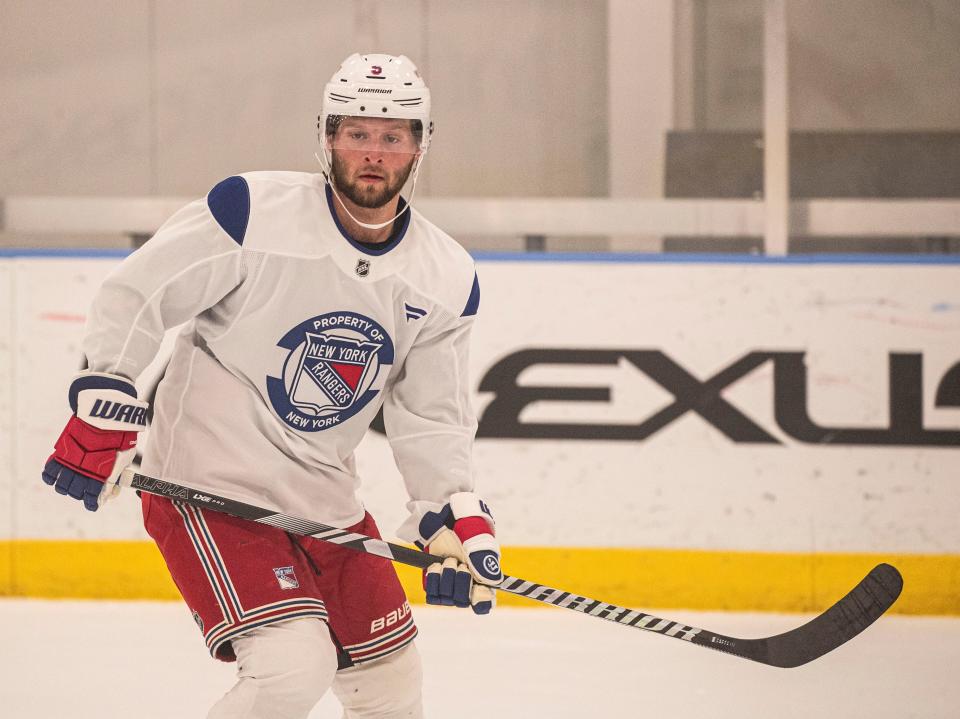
(371, 158)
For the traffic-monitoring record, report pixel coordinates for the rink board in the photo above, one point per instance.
(703, 422)
(640, 578)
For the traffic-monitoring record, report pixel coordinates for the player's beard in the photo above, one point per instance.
(369, 196)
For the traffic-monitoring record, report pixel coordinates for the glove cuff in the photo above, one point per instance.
(99, 381)
(459, 507)
(464, 505)
(108, 402)
(473, 524)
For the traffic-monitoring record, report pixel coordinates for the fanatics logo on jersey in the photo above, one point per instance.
(286, 577)
(336, 364)
(413, 313)
(363, 267)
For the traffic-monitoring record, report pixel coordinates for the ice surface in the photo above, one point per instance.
(74, 660)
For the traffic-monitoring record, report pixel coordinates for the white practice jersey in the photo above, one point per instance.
(295, 337)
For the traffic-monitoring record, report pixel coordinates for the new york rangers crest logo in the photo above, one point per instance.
(336, 363)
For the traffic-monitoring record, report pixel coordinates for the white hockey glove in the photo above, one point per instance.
(99, 440)
(462, 531)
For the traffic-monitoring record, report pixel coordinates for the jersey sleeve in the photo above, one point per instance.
(189, 265)
(430, 422)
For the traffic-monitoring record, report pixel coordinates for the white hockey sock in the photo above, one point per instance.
(283, 670)
(387, 688)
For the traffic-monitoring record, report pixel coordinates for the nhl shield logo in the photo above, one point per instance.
(363, 267)
(336, 364)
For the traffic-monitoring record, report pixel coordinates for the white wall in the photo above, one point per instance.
(875, 65)
(687, 485)
(8, 411)
(640, 90)
(145, 97)
(532, 97)
(854, 65)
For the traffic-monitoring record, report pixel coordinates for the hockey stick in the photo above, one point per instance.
(862, 606)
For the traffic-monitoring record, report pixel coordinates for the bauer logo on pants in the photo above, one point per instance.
(335, 364)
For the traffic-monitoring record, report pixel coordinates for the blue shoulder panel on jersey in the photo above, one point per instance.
(473, 302)
(229, 203)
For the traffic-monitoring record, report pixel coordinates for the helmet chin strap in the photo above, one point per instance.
(328, 176)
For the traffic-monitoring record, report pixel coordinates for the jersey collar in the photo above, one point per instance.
(400, 226)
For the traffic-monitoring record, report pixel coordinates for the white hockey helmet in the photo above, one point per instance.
(377, 85)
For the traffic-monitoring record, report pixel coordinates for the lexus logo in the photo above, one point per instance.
(703, 398)
(905, 424)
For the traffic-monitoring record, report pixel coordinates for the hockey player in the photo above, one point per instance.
(308, 301)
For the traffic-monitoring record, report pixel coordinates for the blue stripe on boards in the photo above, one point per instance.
(693, 258)
(701, 258)
(59, 253)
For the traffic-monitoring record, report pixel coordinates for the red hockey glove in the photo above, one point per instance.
(463, 532)
(99, 440)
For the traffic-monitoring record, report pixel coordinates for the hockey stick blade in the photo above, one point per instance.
(862, 606)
